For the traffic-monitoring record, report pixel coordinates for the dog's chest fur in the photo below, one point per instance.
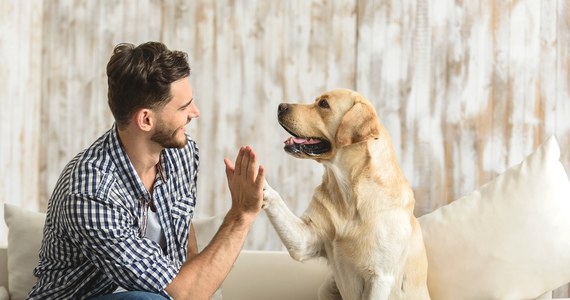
(355, 204)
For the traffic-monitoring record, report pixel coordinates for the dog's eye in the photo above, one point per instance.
(323, 103)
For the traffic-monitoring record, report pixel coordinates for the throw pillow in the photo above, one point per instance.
(25, 231)
(206, 228)
(508, 240)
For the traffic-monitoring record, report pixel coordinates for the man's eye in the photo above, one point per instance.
(324, 104)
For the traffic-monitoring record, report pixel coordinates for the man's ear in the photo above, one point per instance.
(358, 124)
(144, 119)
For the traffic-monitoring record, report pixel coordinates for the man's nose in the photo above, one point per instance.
(194, 112)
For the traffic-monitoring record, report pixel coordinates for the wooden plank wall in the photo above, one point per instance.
(20, 99)
(466, 88)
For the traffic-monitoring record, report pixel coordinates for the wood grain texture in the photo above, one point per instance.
(20, 99)
(466, 88)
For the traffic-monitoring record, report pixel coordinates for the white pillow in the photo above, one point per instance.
(508, 240)
(4, 294)
(25, 232)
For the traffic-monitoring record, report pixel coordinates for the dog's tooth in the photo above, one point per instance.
(312, 141)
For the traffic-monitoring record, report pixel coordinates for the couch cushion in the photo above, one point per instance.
(25, 230)
(507, 240)
(260, 275)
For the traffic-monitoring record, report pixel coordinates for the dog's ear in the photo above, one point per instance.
(360, 123)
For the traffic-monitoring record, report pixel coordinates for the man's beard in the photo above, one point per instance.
(167, 138)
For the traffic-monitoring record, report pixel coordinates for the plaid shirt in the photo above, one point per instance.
(94, 232)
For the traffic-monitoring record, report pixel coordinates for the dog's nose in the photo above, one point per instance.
(283, 108)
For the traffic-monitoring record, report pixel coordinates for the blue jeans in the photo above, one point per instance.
(131, 295)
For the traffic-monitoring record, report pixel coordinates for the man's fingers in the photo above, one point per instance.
(245, 159)
(260, 180)
(229, 169)
(252, 165)
(229, 166)
(239, 159)
(245, 165)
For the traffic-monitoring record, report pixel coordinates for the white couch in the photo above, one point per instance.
(257, 275)
(510, 239)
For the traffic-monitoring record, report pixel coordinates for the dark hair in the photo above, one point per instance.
(140, 77)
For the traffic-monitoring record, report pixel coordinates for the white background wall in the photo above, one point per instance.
(466, 88)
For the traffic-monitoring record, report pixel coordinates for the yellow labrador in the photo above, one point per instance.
(361, 215)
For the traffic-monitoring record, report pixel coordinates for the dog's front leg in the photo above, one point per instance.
(379, 287)
(329, 290)
(295, 233)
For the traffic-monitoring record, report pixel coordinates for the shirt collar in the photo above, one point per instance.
(163, 166)
(125, 168)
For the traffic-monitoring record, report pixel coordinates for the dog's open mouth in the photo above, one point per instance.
(297, 145)
(309, 146)
(306, 145)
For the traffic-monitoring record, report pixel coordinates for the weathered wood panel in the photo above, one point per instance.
(20, 99)
(466, 88)
(78, 41)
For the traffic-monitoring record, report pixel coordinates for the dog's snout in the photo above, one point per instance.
(283, 108)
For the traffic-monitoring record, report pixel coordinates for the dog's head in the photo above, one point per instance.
(335, 119)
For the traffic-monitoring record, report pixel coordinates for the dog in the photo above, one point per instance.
(360, 218)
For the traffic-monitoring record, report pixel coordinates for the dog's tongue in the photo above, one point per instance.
(296, 140)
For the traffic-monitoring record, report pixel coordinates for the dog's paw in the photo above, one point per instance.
(269, 195)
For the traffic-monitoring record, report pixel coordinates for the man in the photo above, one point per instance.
(118, 224)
